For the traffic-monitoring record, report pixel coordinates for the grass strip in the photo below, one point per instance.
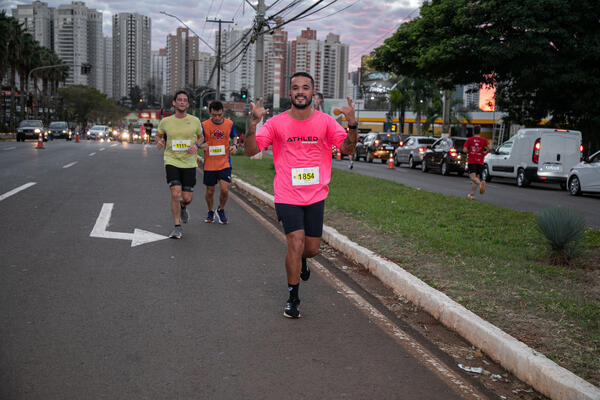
(490, 259)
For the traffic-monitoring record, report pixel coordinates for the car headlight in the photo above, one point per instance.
(64, 131)
(37, 130)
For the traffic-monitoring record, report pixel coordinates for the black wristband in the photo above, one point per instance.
(352, 126)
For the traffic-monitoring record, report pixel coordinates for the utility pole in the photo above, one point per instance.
(219, 21)
(446, 114)
(259, 69)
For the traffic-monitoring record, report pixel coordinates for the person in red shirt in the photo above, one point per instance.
(217, 160)
(476, 148)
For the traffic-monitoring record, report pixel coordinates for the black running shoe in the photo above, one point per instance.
(305, 273)
(291, 309)
(185, 215)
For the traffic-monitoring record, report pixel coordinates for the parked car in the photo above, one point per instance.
(585, 176)
(377, 145)
(60, 130)
(535, 155)
(411, 150)
(445, 155)
(359, 145)
(30, 129)
(99, 132)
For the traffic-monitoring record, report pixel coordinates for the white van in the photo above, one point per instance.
(535, 155)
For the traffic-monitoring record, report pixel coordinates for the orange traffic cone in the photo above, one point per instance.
(40, 142)
(391, 161)
(338, 156)
(77, 137)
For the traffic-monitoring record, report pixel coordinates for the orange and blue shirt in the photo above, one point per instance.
(217, 136)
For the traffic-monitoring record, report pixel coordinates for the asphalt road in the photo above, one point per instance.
(501, 192)
(201, 317)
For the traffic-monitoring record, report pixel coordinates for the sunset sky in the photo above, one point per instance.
(362, 24)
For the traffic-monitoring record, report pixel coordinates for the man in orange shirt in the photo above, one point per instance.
(217, 161)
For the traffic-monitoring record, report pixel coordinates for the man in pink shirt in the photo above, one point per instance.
(301, 138)
(476, 147)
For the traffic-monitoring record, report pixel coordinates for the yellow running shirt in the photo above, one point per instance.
(181, 134)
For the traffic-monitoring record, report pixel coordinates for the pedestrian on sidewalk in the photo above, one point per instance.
(184, 136)
(218, 131)
(476, 148)
(302, 138)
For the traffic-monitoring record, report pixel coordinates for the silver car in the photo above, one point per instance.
(585, 176)
(411, 152)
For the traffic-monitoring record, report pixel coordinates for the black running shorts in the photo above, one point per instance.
(184, 177)
(476, 169)
(309, 218)
(212, 177)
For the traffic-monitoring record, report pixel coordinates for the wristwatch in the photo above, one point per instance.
(353, 126)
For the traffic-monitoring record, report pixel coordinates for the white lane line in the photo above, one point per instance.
(414, 348)
(92, 154)
(70, 164)
(9, 148)
(102, 149)
(113, 145)
(17, 190)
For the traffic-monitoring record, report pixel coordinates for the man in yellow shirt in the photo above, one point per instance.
(183, 138)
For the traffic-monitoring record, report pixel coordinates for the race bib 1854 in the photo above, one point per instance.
(305, 176)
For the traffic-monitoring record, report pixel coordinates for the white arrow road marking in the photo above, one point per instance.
(16, 190)
(70, 164)
(138, 237)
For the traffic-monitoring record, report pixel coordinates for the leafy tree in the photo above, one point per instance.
(542, 55)
(89, 104)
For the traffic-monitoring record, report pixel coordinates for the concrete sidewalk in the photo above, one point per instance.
(528, 365)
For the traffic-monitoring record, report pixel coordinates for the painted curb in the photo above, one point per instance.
(528, 365)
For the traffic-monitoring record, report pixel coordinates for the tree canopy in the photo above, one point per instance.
(89, 104)
(543, 56)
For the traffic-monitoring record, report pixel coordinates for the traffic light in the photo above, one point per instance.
(244, 93)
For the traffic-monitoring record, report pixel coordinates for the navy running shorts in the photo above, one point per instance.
(309, 218)
(476, 169)
(212, 177)
(184, 177)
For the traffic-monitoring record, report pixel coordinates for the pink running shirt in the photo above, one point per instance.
(302, 155)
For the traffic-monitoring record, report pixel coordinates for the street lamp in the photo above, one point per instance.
(40, 68)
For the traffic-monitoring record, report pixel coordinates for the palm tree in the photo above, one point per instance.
(400, 99)
(13, 36)
(459, 114)
(28, 59)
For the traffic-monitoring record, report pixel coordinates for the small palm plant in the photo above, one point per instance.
(564, 229)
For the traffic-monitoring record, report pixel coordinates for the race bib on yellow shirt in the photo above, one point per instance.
(180, 145)
(216, 150)
(305, 176)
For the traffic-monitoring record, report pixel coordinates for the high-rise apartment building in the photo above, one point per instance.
(158, 71)
(185, 64)
(108, 67)
(95, 40)
(237, 64)
(131, 52)
(71, 39)
(275, 79)
(38, 20)
(307, 55)
(335, 68)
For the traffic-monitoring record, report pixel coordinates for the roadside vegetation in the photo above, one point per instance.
(492, 260)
